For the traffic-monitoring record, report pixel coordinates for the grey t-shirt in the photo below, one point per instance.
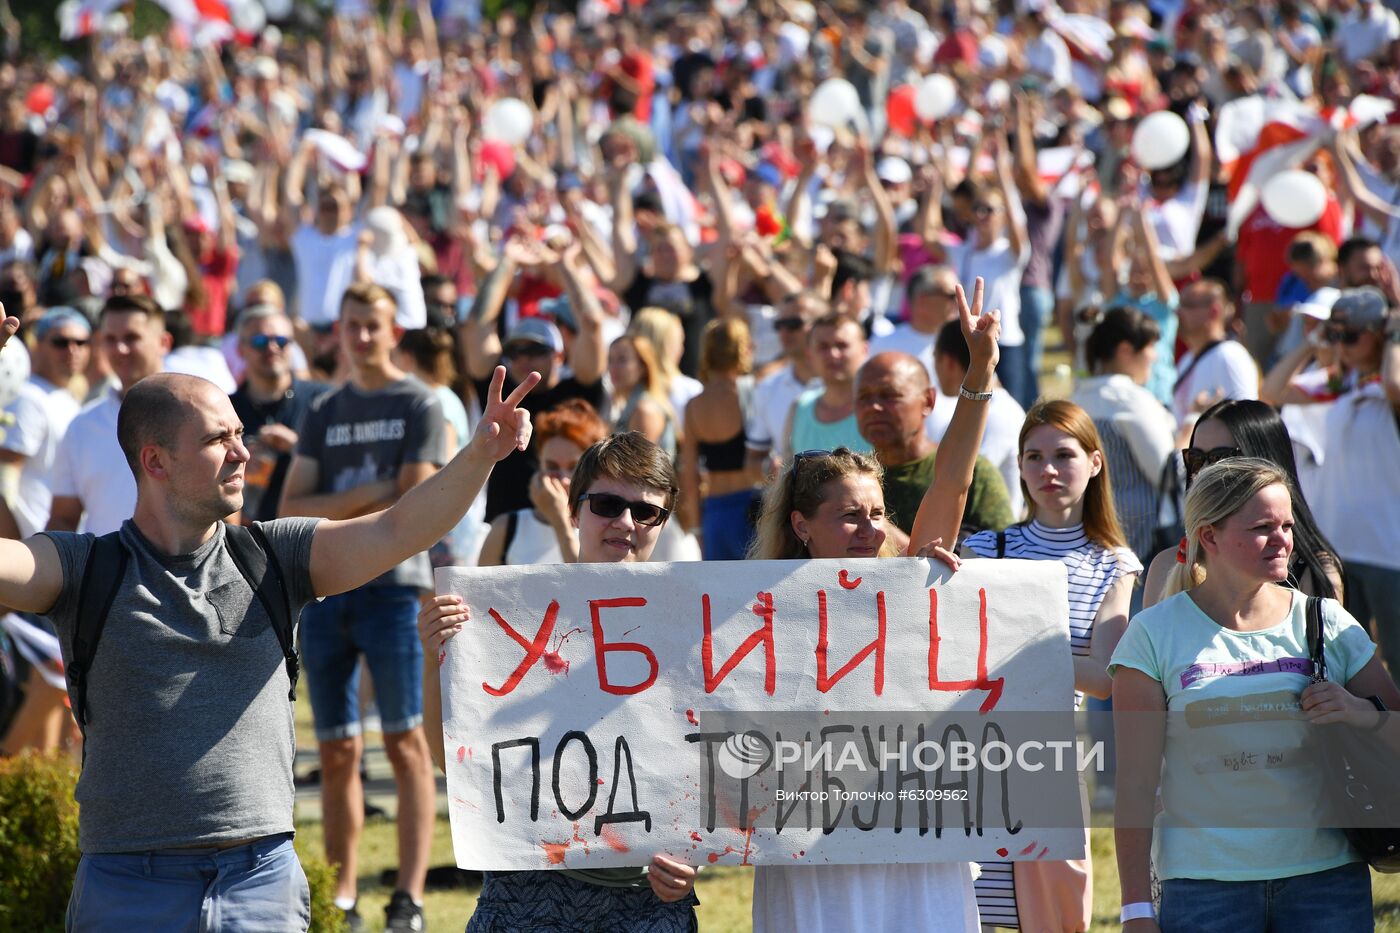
(189, 732)
(358, 437)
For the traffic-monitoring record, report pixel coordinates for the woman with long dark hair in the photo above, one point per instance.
(1249, 428)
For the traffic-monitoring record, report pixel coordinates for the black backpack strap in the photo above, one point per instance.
(102, 579)
(254, 557)
(1001, 544)
(1315, 639)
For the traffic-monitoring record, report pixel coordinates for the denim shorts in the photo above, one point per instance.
(553, 902)
(257, 888)
(1334, 901)
(381, 623)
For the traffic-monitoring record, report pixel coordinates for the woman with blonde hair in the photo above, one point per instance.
(829, 504)
(1226, 638)
(639, 401)
(713, 444)
(1065, 479)
(667, 337)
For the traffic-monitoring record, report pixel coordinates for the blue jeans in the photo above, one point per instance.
(1011, 371)
(1333, 901)
(725, 526)
(257, 888)
(380, 622)
(539, 901)
(1373, 595)
(1037, 307)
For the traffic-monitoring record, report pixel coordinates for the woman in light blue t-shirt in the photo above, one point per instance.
(1227, 651)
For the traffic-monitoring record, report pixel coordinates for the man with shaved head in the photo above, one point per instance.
(188, 690)
(893, 398)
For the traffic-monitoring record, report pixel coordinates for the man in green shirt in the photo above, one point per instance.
(893, 397)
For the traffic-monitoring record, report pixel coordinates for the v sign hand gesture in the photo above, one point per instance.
(980, 330)
(504, 427)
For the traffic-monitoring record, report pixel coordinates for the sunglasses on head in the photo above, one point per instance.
(789, 323)
(263, 341)
(63, 343)
(607, 505)
(1343, 335)
(1197, 460)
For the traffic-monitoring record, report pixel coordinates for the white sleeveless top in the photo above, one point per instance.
(534, 542)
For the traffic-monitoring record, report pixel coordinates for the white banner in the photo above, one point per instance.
(588, 710)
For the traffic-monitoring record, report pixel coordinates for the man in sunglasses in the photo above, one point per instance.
(933, 302)
(764, 437)
(39, 417)
(271, 402)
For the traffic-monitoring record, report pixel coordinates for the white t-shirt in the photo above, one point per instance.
(773, 398)
(91, 467)
(399, 273)
(1177, 220)
(1001, 269)
(1144, 424)
(325, 268)
(1227, 368)
(999, 444)
(204, 362)
(935, 896)
(40, 416)
(1358, 494)
(1359, 36)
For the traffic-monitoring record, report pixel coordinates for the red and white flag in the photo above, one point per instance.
(79, 18)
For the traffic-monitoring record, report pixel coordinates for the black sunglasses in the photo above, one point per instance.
(63, 343)
(789, 323)
(263, 341)
(1197, 460)
(983, 210)
(607, 505)
(1343, 335)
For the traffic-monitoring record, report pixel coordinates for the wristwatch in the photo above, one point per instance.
(971, 396)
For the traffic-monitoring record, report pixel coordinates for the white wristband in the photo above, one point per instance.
(1142, 910)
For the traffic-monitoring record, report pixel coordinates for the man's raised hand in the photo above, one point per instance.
(9, 326)
(504, 426)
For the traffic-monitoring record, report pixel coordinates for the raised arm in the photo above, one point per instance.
(1026, 169)
(1015, 213)
(941, 511)
(347, 554)
(1148, 252)
(624, 237)
(885, 229)
(1375, 208)
(481, 343)
(589, 357)
(1277, 388)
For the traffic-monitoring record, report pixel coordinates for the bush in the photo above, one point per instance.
(39, 848)
(320, 877)
(38, 840)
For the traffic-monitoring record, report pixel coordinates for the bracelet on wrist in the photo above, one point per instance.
(971, 396)
(1138, 910)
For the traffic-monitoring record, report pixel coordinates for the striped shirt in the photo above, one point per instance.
(1092, 570)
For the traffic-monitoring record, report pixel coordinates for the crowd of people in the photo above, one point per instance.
(315, 282)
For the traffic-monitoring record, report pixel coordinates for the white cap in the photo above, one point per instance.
(238, 172)
(894, 171)
(265, 67)
(1319, 304)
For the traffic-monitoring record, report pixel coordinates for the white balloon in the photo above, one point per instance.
(835, 103)
(248, 16)
(508, 120)
(277, 9)
(935, 97)
(1294, 199)
(1160, 140)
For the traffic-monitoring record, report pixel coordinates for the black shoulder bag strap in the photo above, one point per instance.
(253, 555)
(102, 579)
(1315, 633)
(1191, 367)
(1001, 544)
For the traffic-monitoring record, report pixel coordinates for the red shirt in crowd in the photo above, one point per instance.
(217, 270)
(1262, 249)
